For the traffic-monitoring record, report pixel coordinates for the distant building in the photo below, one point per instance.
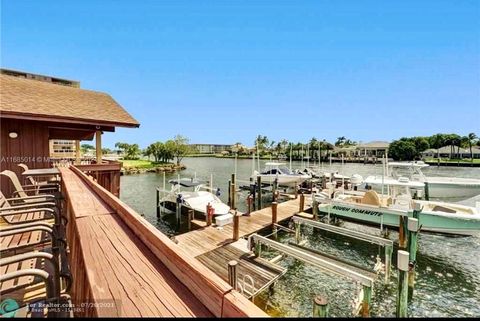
(447, 152)
(210, 148)
(375, 148)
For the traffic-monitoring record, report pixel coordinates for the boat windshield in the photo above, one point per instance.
(285, 170)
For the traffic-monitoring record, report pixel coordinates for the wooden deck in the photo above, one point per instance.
(123, 266)
(206, 239)
(261, 271)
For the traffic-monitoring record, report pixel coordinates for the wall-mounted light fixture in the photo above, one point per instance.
(13, 134)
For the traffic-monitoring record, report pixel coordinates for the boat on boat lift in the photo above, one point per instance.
(438, 187)
(278, 171)
(195, 199)
(370, 207)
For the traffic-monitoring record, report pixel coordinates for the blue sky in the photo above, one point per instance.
(225, 71)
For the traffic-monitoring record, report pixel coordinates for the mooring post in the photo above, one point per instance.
(402, 295)
(259, 192)
(367, 301)
(412, 248)
(254, 192)
(314, 207)
(234, 192)
(178, 213)
(209, 215)
(324, 181)
(297, 232)
(274, 212)
(388, 262)
(427, 192)
(158, 203)
(296, 190)
(257, 249)
(249, 205)
(191, 215)
(232, 273)
(229, 202)
(403, 232)
(302, 203)
(320, 307)
(274, 190)
(236, 226)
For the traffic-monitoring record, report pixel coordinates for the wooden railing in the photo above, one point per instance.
(117, 256)
(107, 174)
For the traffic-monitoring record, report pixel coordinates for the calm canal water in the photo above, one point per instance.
(448, 278)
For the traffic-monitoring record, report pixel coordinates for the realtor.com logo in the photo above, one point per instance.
(8, 308)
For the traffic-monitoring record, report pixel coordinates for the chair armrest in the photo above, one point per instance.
(24, 225)
(30, 197)
(31, 206)
(29, 210)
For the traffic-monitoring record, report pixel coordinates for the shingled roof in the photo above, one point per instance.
(28, 98)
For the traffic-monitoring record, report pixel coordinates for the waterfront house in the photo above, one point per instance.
(372, 149)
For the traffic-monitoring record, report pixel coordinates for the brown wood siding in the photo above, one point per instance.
(30, 147)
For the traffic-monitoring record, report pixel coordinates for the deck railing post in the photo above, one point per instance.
(412, 248)
(236, 226)
(320, 307)
(402, 295)
(302, 203)
(232, 273)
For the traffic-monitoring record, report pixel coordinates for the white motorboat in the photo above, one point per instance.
(371, 207)
(438, 187)
(278, 171)
(195, 199)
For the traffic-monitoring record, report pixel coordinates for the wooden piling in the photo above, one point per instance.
(274, 212)
(320, 307)
(402, 295)
(236, 226)
(403, 232)
(314, 207)
(274, 190)
(367, 301)
(209, 215)
(427, 192)
(296, 190)
(158, 203)
(232, 273)
(178, 213)
(302, 203)
(234, 192)
(412, 248)
(249, 204)
(388, 263)
(298, 236)
(259, 192)
(191, 216)
(254, 192)
(229, 202)
(324, 182)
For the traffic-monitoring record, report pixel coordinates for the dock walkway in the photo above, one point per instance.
(206, 239)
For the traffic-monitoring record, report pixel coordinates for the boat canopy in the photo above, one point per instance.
(185, 182)
(387, 181)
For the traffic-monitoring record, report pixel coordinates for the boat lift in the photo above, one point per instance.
(365, 278)
(385, 243)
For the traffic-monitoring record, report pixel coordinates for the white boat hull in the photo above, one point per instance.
(284, 180)
(446, 187)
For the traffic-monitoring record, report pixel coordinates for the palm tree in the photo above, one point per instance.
(471, 139)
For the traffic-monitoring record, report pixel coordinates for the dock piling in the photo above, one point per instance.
(388, 263)
(427, 192)
(412, 248)
(234, 192)
(236, 226)
(297, 232)
(402, 295)
(232, 273)
(367, 301)
(259, 192)
(302, 202)
(249, 204)
(178, 212)
(158, 202)
(314, 207)
(229, 202)
(191, 216)
(208, 214)
(403, 232)
(274, 190)
(274, 212)
(320, 307)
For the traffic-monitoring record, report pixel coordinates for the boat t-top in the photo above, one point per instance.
(278, 171)
(438, 187)
(195, 198)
